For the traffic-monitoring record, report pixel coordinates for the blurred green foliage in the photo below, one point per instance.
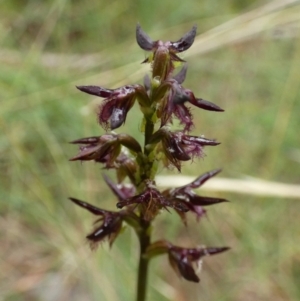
(47, 47)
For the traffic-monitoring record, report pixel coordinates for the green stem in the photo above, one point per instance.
(144, 234)
(146, 163)
(144, 238)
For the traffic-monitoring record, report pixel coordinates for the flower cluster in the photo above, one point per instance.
(161, 98)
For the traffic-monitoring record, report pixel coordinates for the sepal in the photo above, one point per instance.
(143, 40)
(185, 42)
(96, 90)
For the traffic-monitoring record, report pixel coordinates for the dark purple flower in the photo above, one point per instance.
(192, 200)
(177, 146)
(151, 201)
(118, 102)
(105, 149)
(174, 103)
(108, 226)
(183, 259)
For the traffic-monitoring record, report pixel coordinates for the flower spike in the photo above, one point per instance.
(161, 98)
(105, 149)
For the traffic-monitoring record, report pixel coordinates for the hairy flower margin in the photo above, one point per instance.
(161, 98)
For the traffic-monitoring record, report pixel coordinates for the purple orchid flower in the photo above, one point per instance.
(105, 149)
(177, 146)
(151, 201)
(192, 200)
(113, 111)
(183, 259)
(174, 103)
(110, 223)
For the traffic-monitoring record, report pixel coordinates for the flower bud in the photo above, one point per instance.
(161, 62)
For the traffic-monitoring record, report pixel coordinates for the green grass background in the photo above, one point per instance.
(47, 47)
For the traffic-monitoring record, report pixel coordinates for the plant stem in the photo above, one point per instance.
(144, 234)
(149, 127)
(144, 238)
